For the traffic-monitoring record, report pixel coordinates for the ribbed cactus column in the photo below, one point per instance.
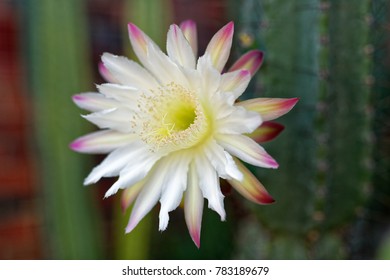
(289, 30)
(376, 221)
(58, 68)
(318, 51)
(348, 121)
(346, 125)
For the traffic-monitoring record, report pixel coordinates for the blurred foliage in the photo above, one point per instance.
(58, 68)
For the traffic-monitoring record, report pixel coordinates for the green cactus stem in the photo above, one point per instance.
(58, 68)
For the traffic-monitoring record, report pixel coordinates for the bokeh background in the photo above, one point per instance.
(332, 188)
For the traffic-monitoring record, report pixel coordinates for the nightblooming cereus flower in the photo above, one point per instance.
(172, 127)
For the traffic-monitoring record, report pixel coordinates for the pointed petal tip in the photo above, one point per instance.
(270, 108)
(88, 181)
(129, 228)
(80, 100)
(250, 61)
(272, 163)
(174, 27)
(187, 23)
(77, 97)
(263, 198)
(139, 40)
(131, 225)
(289, 103)
(189, 30)
(250, 187)
(228, 29)
(266, 200)
(163, 220)
(271, 201)
(220, 45)
(135, 32)
(230, 24)
(195, 235)
(104, 72)
(132, 27)
(102, 68)
(76, 145)
(105, 56)
(112, 190)
(294, 101)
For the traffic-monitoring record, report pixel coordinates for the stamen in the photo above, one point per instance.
(171, 118)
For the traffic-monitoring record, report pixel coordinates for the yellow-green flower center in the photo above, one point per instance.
(181, 114)
(172, 118)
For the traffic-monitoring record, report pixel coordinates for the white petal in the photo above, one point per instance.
(140, 41)
(250, 61)
(114, 162)
(116, 118)
(150, 55)
(238, 122)
(178, 48)
(269, 108)
(149, 196)
(127, 96)
(163, 68)
(131, 193)
(220, 45)
(194, 79)
(210, 77)
(235, 82)
(209, 184)
(222, 161)
(146, 200)
(174, 185)
(189, 30)
(102, 142)
(142, 160)
(250, 187)
(106, 74)
(93, 102)
(193, 205)
(128, 72)
(222, 104)
(247, 150)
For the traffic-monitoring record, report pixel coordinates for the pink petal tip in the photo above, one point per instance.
(250, 61)
(77, 98)
(76, 145)
(187, 24)
(105, 73)
(290, 102)
(135, 32)
(229, 27)
(195, 235)
(227, 31)
(272, 163)
(265, 198)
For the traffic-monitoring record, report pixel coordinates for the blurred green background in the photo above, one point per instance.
(332, 189)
